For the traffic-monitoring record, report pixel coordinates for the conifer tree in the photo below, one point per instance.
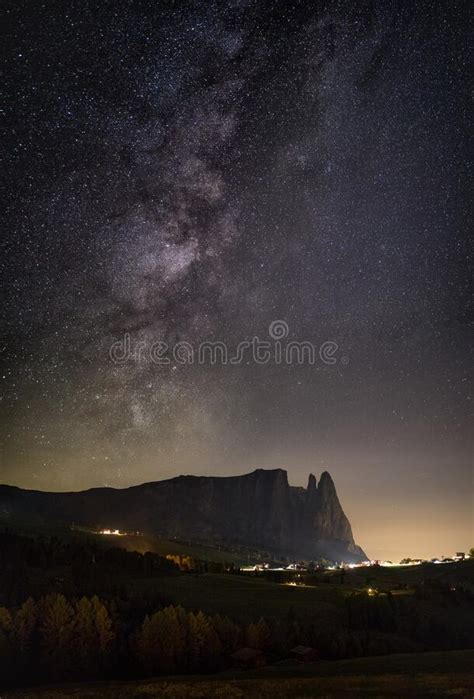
(6, 648)
(24, 635)
(56, 635)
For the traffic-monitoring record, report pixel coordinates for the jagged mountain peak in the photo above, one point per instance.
(312, 485)
(326, 479)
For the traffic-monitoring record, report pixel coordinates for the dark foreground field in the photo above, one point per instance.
(99, 620)
(444, 674)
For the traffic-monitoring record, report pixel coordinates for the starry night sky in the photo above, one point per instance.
(192, 171)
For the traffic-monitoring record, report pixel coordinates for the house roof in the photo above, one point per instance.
(302, 650)
(246, 654)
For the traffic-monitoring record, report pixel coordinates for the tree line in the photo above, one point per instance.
(56, 639)
(59, 639)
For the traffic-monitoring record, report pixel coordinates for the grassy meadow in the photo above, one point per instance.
(441, 674)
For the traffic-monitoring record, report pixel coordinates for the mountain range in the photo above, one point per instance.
(258, 510)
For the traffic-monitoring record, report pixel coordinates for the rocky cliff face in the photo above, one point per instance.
(258, 510)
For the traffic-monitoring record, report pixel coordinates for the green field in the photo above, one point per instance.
(247, 598)
(164, 547)
(444, 674)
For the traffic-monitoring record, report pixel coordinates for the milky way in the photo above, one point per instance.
(191, 172)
